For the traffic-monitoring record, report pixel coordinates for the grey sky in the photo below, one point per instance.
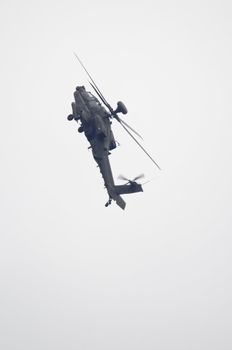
(73, 274)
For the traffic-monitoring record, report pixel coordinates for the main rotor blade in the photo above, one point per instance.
(141, 146)
(122, 121)
(101, 97)
(112, 112)
(97, 90)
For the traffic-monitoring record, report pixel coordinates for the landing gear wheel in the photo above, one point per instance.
(108, 203)
(70, 117)
(80, 129)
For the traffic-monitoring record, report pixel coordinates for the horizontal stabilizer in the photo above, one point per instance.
(133, 187)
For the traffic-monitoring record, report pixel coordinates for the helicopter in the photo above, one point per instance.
(95, 122)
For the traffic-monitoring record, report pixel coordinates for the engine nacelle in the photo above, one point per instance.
(121, 108)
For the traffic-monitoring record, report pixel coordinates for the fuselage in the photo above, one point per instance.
(96, 125)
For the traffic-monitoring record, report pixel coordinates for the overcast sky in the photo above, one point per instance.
(77, 275)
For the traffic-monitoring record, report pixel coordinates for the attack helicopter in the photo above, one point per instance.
(95, 122)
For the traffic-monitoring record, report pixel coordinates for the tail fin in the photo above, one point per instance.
(120, 202)
(115, 196)
(124, 189)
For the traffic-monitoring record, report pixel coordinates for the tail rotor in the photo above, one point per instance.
(123, 178)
